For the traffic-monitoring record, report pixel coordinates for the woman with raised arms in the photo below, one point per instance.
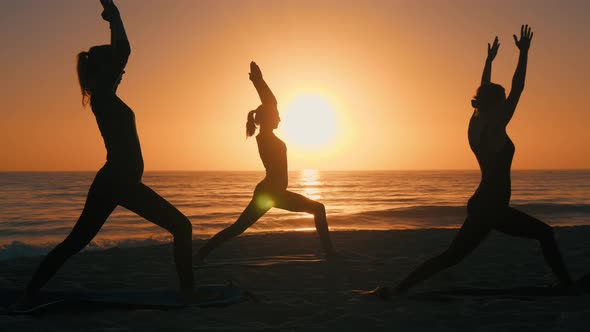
(119, 181)
(272, 190)
(488, 209)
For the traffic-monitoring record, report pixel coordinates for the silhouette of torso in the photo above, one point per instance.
(273, 153)
(495, 186)
(116, 120)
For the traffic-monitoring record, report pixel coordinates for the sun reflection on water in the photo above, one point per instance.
(310, 181)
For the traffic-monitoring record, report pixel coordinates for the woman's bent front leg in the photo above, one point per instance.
(517, 223)
(148, 204)
(291, 201)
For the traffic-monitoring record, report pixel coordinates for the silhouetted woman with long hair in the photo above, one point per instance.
(488, 209)
(119, 181)
(272, 190)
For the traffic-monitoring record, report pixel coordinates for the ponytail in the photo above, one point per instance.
(83, 76)
(251, 124)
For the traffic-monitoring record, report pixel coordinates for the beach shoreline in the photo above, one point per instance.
(312, 294)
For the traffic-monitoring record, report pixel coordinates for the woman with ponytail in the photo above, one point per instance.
(272, 190)
(119, 181)
(488, 209)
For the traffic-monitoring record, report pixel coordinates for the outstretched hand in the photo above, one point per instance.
(526, 35)
(493, 49)
(255, 72)
(110, 11)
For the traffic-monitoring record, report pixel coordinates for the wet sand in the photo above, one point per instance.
(298, 291)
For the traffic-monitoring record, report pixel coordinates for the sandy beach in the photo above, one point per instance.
(298, 292)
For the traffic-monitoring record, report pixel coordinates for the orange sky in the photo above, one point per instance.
(399, 76)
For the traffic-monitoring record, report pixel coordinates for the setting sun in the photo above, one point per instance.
(309, 121)
(329, 155)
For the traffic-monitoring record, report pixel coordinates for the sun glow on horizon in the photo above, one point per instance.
(310, 122)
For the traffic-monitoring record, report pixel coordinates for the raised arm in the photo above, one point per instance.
(266, 96)
(487, 69)
(523, 44)
(119, 40)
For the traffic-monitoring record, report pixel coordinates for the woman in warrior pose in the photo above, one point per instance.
(488, 209)
(119, 181)
(272, 190)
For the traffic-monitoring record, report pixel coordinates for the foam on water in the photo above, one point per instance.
(37, 210)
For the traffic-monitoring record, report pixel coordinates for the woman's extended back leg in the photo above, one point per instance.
(249, 216)
(99, 205)
(471, 234)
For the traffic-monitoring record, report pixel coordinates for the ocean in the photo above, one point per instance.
(37, 210)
